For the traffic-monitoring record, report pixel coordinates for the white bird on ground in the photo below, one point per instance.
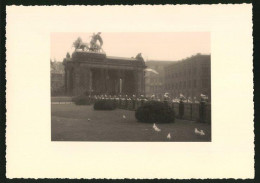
(201, 132)
(169, 136)
(156, 128)
(124, 117)
(197, 131)
(88, 119)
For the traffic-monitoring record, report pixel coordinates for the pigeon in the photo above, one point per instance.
(124, 117)
(199, 132)
(169, 136)
(156, 128)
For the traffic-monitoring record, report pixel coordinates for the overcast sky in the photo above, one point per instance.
(153, 46)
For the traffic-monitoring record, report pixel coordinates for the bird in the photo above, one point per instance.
(196, 131)
(124, 117)
(201, 132)
(169, 136)
(156, 128)
(88, 119)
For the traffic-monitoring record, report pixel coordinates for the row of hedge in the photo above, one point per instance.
(155, 112)
(197, 112)
(149, 112)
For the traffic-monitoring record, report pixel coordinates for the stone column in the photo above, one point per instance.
(90, 80)
(106, 80)
(138, 82)
(123, 82)
(102, 81)
(87, 79)
(142, 73)
(76, 81)
(117, 85)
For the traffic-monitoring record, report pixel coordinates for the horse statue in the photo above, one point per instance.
(93, 46)
(93, 43)
(79, 44)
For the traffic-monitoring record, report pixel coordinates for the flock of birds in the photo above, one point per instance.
(196, 131)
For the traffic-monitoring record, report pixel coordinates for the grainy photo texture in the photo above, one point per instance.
(131, 86)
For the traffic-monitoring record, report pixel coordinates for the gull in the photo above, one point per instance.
(201, 132)
(169, 136)
(88, 119)
(156, 128)
(197, 131)
(154, 125)
(124, 117)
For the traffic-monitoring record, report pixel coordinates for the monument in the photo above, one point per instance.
(90, 71)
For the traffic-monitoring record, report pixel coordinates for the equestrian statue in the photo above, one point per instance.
(92, 46)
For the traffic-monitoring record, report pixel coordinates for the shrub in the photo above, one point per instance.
(104, 105)
(81, 100)
(155, 112)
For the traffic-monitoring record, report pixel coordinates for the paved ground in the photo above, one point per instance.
(70, 123)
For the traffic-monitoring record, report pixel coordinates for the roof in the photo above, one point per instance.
(157, 62)
(120, 58)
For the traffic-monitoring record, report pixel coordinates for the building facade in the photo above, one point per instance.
(155, 82)
(96, 73)
(57, 78)
(190, 77)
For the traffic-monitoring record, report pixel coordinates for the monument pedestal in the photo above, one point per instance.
(95, 73)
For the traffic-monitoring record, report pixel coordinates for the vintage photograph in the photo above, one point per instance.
(131, 86)
(130, 92)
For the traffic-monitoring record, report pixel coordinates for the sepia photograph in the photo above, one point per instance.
(129, 92)
(131, 87)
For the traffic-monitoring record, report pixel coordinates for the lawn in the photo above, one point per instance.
(70, 123)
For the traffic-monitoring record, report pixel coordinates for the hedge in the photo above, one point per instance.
(155, 112)
(81, 100)
(104, 105)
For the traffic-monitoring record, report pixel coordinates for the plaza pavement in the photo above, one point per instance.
(70, 122)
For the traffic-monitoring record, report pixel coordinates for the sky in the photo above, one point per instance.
(170, 46)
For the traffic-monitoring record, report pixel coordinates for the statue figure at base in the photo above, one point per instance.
(139, 56)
